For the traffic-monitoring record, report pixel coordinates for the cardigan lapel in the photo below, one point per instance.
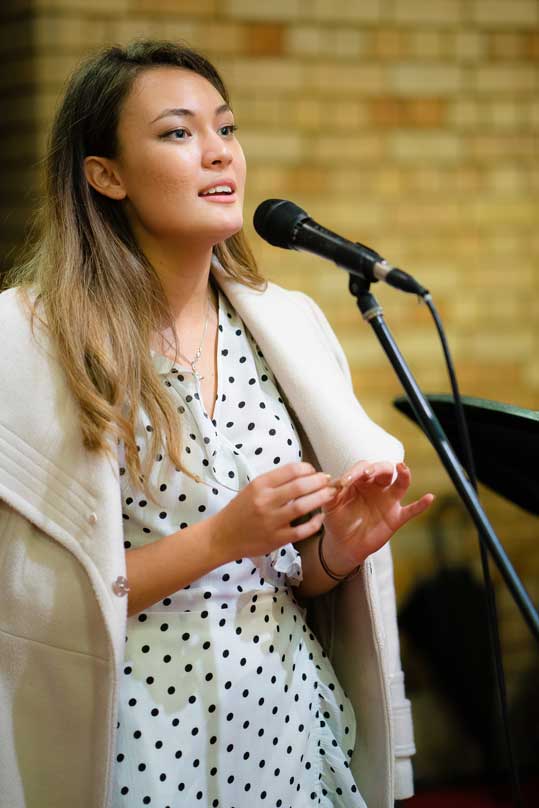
(300, 354)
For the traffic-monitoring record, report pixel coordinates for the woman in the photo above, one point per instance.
(169, 460)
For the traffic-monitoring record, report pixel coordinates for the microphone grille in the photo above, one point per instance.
(275, 220)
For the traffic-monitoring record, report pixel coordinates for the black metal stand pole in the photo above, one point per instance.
(430, 425)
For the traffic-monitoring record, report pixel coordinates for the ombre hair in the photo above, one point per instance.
(97, 293)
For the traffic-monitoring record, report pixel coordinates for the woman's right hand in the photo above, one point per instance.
(257, 521)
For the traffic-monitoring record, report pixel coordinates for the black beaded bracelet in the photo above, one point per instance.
(348, 576)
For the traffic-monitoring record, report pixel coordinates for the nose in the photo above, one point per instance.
(217, 152)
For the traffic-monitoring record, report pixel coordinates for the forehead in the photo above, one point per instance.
(160, 88)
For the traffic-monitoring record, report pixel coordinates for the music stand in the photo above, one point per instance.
(505, 444)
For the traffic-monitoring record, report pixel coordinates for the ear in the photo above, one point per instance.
(103, 176)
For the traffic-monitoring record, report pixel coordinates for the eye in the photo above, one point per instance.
(231, 128)
(180, 134)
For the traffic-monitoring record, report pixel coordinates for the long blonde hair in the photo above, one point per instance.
(97, 294)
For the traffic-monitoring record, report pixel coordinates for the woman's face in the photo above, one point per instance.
(176, 140)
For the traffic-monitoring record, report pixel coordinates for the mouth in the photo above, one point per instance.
(224, 191)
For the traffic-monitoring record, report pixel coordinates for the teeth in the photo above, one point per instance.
(218, 189)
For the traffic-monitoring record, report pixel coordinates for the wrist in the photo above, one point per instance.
(218, 540)
(337, 568)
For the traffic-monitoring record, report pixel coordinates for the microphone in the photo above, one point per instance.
(284, 224)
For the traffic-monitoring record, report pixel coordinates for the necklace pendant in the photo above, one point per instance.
(198, 376)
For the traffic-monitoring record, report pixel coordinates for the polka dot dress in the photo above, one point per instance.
(227, 698)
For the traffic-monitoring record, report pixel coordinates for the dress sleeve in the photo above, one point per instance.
(287, 561)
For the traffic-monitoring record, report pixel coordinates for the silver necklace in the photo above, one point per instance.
(193, 362)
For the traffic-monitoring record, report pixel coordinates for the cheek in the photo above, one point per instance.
(159, 186)
(241, 167)
(164, 174)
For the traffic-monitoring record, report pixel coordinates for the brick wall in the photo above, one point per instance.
(410, 125)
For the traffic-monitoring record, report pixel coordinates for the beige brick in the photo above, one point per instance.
(76, 33)
(264, 39)
(338, 148)
(125, 29)
(507, 45)
(465, 113)
(177, 30)
(347, 43)
(277, 75)
(216, 38)
(430, 45)
(481, 311)
(501, 345)
(304, 40)
(195, 8)
(53, 68)
(311, 41)
(277, 147)
(532, 176)
(436, 146)
(425, 78)
(266, 179)
(530, 376)
(345, 114)
(494, 13)
(532, 46)
(276, 10)
(506, 78)
(353, 216)
(104, 7)
(255, 111)
(402, 112)
(387, 181)
(425, 12)
(356, 79)
(468, 179)
(520, 212)
(485, 147)
(307, 113)
(313, 180)
(390, 44)
(505, 114)
(470, 46)
(349, 10)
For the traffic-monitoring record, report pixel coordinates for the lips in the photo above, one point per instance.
(218, 183)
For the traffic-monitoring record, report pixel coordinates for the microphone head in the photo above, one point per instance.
(275, 220)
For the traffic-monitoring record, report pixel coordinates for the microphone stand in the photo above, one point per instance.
(372, 312)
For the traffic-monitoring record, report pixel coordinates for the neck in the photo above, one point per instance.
(184, 273)
(184, 276)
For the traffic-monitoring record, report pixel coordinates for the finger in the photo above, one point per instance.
(287, 473)
(303, 505)
(416, 508)
(402, 483)
(303, 530)
(365, 469)
(299, 487)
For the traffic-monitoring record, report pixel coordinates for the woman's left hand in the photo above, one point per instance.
(366, 512)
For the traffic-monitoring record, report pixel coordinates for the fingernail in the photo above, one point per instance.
(334, 482)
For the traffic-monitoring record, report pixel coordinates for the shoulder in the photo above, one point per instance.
(24, 335)
(16, 306)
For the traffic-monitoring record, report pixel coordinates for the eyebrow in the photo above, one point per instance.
(180, 112)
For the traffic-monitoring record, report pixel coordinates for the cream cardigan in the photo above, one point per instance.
(62, 627)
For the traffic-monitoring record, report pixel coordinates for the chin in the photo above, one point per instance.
(227, 232)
